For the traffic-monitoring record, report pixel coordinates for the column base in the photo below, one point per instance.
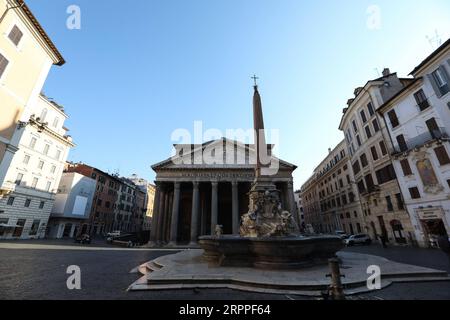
(172, 244)
(193, 244)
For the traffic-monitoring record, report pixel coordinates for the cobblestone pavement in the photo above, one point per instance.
(41, 274)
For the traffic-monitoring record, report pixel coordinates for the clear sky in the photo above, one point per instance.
(138, 70)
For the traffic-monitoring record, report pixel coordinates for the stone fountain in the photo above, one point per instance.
(269, 236)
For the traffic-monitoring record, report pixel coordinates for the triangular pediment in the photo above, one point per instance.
(221, 154)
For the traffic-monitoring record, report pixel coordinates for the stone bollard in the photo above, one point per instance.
(335, 290)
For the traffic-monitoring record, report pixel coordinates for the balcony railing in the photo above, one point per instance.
(421, 140)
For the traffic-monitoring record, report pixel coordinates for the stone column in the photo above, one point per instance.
(291, 200)
(235, 212)
(175, 213)
(194, 214)
(153, 229)
(214, 206)
(162, 197)
(167, 213)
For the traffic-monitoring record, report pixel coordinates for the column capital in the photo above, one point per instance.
(234, 183)
(177, 185)
(195, 184)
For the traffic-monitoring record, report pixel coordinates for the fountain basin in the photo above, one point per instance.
(269, 253)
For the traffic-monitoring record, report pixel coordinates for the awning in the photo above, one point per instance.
(6, 226)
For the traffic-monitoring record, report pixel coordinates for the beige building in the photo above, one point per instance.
(26, 56)
(369, 149)
(332, 197)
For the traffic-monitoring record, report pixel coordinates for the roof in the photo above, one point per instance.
(411, 83)
(26, 10)
(431, 56)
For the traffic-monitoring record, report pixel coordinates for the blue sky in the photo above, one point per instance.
(138, 70)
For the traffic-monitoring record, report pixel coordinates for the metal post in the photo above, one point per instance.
(336, 289)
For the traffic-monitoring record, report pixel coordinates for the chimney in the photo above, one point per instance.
(386, 72)
(329, 150)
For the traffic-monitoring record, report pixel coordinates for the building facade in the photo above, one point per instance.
(104, 206)
(26, 56)
(33, 176)
(72, 206)
(193, 197)
(369, 147)
(418, 122)
(333, 199)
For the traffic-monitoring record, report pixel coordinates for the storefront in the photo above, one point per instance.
(433, 223)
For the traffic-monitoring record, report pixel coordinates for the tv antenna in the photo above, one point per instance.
(434, 41)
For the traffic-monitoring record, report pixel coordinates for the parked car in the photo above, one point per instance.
(341, 234)
(363, 239)
(114, 234)
(83, 239)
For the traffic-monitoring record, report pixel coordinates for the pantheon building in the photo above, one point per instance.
(193, 195)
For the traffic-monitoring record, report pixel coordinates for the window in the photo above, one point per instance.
(41, 205)
(363, 116)
(433, 128)
(385, 174)
(383, 148)
(3, 64)
(55, 122)
(376, 127)
(43, 115)
(35, 227)
(10, 201)
(34, 183)
(27, 203)
(19, 179)
(33, 143)
(361, 187)
(48, 186)
(421, 99)
(369, 182)
(393, 118)
(399, 199)
(356, 167)
(402, 143)
(442, 155)
(373, 150)
(46, 148)
(406, 167)
(3, 221)
(364, 161)
(41, 165)
(370, 108)
(441, 81)
(390, 207)
(26, 159)
(355, 127)
(53, 169)
(58, 154)
(368, 133)
(15, 35)
(351, 197)
(414, 192)
(359, 141)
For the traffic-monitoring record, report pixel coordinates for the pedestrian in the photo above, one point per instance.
(444, 244)
(383, 241)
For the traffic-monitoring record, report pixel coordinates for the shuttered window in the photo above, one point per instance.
(393, 118)
(421, 100)
(402, 143)
(442, 155)
(15, 35)
(3, 64)
(406, 167)
(414, 192)
(374, 153)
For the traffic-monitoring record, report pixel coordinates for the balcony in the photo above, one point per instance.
(420, 140)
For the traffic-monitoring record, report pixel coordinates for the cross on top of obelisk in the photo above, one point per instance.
(254, 79)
